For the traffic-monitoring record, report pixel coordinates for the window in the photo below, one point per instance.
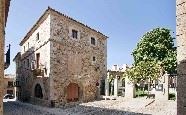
(37, 60)
(37, 36)
(16, 83)
(9, 92)
(93, 41)
(93, 59)
(28, 45)
(75, 34)
(27, 62)
(10, 83)
(24, 48)
(33, 65)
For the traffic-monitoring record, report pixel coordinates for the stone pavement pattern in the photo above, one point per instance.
(136, 106)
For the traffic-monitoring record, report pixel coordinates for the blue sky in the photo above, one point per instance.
(124, 21)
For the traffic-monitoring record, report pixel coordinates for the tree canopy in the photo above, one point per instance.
(144, 70)
(156, 46)
(154, 54)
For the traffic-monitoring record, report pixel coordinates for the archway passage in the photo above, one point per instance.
(72, 92)
(38, 91)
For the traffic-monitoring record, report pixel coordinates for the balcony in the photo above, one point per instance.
(38, 72)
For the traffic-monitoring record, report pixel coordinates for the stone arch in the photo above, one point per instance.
(38, 91)
(73, 85)
(39, 84)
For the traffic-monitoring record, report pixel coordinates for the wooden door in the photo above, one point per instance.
(72, 92)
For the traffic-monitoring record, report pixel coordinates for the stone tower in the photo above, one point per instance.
(62, 61)
(181, 55)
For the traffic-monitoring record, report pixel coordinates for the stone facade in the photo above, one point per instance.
(1, 53)
(64, 58)
(18, 78)
(4, 8)
(9, 83)
(181, 55)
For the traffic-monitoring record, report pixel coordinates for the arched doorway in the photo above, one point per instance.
(38, 91)
(72, 92)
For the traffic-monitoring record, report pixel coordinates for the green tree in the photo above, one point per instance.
(146, 70)
(154, 53)
(157, 46)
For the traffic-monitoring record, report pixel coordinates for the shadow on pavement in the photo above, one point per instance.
(18, 108)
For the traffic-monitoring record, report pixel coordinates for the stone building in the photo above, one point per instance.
(115, 82)
(9, 83)
(181, 55)
(18, 79)
(61, 61)
(4, 8)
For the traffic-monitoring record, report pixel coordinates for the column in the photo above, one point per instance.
(107, 85)
(116, 86)
(129, 88)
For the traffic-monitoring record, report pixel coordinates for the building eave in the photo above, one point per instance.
(17, 56)
(53, 10)
(34, 27)
(43, 17)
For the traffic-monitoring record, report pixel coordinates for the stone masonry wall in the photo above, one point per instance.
(2, 23)
(8, 78)
(71, 59)
(64, 60)
(18, 78)
(32, 46)
(181, 55)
